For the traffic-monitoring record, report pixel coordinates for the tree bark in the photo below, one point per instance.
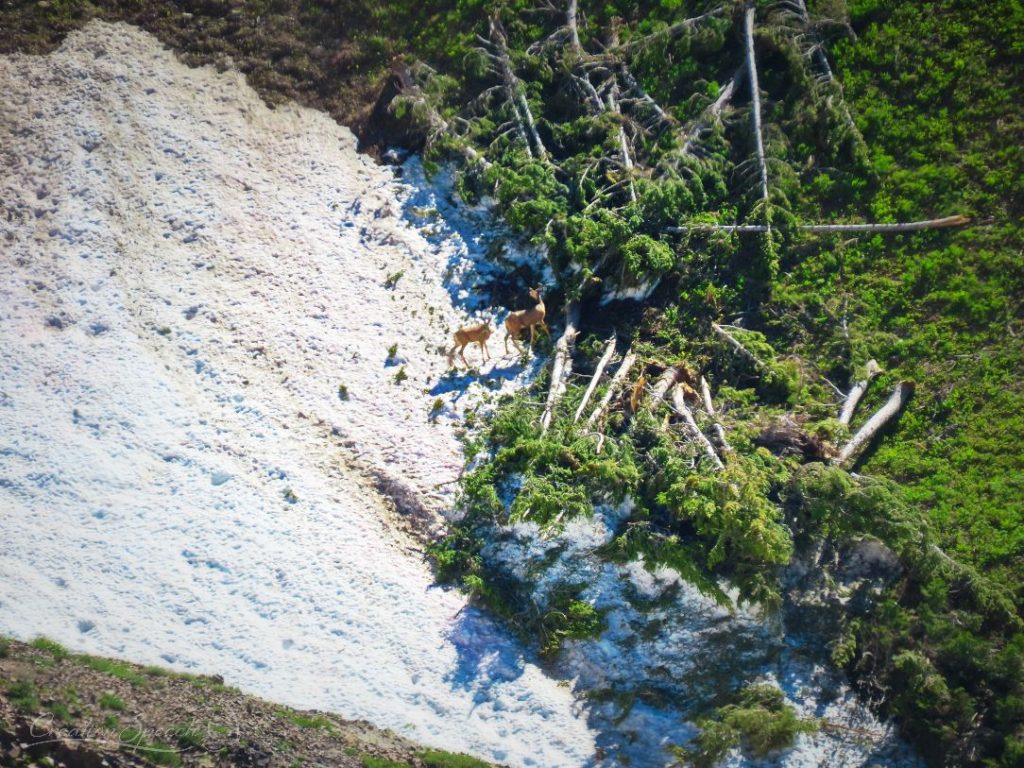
(735, 344)
(857, 392)
(609, 350)
(712, 114)
(709, 406)
(616, 383)
(906, 226)
(680, 406)
(574, 32)
(672, 376)
(627, 160)
(673, 30)
(848, 455)
(515, 91)
(561, 367)
(755, 97)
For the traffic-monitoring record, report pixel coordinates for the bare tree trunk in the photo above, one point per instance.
(755, 97)
(818, 51)
(680, 27)
(672, 376)
(627, 160)
(609, 350)
(906, 226)
(857, 392)
(735, 344)
(709, 406)
(516, 93)
(642, 95)
(436, 124)
(616, 383)
(848, 455)
(562, 365)
(574, 32)
(679, 403)
(712, 115)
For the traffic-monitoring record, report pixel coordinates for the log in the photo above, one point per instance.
(408, 88)
(716, 426)
(609, 350)
(881, 229)
(755, 97)
(857, 392)
(712, 114)
(561, 367)
(613, 387)
(680, 406)
(672, 376)
(743, 351)
(570, 23)
(516, 93)
(673, 30)
(627, 160)
(848, 455)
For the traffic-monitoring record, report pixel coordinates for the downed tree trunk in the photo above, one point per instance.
(755, 97)
(562, 365)
(680, 406)
(515, 91)
(574, 32)
(613, 387)
(407, 88)
(627, 160)
(744, 352)
(673, 30)
(906, 226)
(857, 392)
(818, 52)
(709, 407)
(672, 376)
(848, 455)
(609, 350)
(712, 115)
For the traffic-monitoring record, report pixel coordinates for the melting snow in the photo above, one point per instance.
(188, 278)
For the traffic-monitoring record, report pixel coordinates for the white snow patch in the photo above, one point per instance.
(188, 277)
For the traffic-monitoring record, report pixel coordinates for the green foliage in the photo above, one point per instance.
(758, 722)
(56, 650)
(113, 668)
(434, 758)
(23, 696)
(112, 701)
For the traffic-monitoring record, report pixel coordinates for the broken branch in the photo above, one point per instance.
(609, 350)
(857, 392)
(848, 455)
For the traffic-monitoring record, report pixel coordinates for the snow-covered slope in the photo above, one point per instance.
(186, 280)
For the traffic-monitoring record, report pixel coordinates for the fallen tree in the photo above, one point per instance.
(852, 450)
(857, 392)
(561, 366)
(609, 350)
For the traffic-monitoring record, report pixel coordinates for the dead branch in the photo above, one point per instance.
(634, 87)
(671, 31)
(712, 114)
(907, 226)
(848, 455)
(680, 406)
(609, 350)
(515, 90)
(742, 350)
(857, 392)
(613, 387)
(627, 160)
(716, 426)
(755, 97)
(561, 367)
(437, 125)
(672, 376)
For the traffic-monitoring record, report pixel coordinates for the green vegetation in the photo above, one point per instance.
(758, 722)
(433, 758)
(927, 124)
(23, 695)
(134, 741)
(112, 701)
(381, 762)
(118, 669)
(189, 736)
(56, 650)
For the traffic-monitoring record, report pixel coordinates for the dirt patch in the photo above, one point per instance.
(333, 56)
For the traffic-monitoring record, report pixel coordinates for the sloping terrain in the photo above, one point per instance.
(196, 323)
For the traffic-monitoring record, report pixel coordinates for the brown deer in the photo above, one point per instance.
(468, 334)
(525, 318)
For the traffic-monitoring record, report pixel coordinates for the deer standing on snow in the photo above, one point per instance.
(468, 334)
(525, 318)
